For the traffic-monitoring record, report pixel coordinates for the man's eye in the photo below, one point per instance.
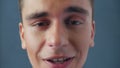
(44, 23)
(73, 22)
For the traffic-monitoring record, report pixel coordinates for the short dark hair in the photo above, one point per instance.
(20, 4)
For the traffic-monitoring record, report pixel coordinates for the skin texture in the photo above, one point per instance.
(57, 33)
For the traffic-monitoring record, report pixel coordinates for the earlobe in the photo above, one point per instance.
(92, 34)
(92, 44)
(21, 32)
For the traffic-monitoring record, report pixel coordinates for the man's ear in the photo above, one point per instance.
(21, 32)
(92, 34)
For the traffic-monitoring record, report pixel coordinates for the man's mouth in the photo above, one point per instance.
(59, 62)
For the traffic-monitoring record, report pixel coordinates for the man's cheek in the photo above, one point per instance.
(81, 44)
(31, 42)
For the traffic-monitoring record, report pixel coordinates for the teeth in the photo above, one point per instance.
(59, 60)
(55, 60)
(64, 59)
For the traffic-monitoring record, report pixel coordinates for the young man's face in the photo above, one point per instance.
(57, 33)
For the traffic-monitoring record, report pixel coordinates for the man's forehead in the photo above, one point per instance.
(56, 3)
(55, 6)
(48, 3)
(51, 2)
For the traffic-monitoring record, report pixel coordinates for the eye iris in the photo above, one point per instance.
(74, 22)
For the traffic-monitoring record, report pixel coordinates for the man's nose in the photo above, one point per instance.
(56, 36)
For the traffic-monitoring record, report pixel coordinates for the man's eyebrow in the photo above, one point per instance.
(75, 9)
(36, 15)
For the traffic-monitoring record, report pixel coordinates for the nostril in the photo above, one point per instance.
(51, 45)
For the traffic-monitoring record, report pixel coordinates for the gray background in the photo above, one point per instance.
(105, 54)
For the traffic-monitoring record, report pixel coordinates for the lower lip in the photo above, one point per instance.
(63, 65)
